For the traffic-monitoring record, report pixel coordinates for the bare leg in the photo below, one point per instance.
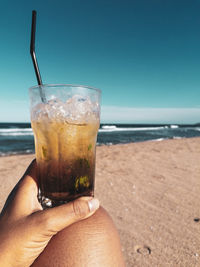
(93, 242)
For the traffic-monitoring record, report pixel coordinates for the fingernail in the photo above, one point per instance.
(93, 204)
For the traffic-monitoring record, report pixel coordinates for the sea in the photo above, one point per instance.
(17, 138)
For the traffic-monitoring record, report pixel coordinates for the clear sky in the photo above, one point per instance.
(143, 54)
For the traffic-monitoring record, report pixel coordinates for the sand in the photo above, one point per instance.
(152, 192)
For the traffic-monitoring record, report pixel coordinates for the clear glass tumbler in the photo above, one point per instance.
(65, 120)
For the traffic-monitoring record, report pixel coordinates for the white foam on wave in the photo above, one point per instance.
(161, 139)
(109, 127)
(3, 130)
(118, 129)
(157, 140)
(16, 134)
(109, 143)
(173, 126)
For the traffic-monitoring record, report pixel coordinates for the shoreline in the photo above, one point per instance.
(152, 192)
(111, 144)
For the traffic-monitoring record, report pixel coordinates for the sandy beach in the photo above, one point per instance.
(151, 190)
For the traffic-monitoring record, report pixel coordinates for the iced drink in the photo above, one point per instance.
(65, 133)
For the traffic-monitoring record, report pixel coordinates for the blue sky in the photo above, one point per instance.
(143, 54)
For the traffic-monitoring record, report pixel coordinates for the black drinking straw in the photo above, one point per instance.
(32, 51)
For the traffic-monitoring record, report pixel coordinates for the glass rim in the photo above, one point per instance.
(65, 85)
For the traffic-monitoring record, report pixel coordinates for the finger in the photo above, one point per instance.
(56, 219)
(22, 200)
(25, 199)
(19, 184)
(28, 183)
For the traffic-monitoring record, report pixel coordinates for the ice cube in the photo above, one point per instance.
(80, 110)
(39, 112)
(76, 110)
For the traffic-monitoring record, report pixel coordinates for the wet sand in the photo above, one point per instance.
(151, 190)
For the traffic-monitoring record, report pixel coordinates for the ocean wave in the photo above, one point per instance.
(11, 130)
(174, 126)
(118, 129)
(16, 134)
(109, 127)
(159, 139)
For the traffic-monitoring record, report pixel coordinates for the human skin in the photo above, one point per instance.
(93, 242)
(26, 229)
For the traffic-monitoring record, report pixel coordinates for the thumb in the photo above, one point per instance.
(56, 219)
